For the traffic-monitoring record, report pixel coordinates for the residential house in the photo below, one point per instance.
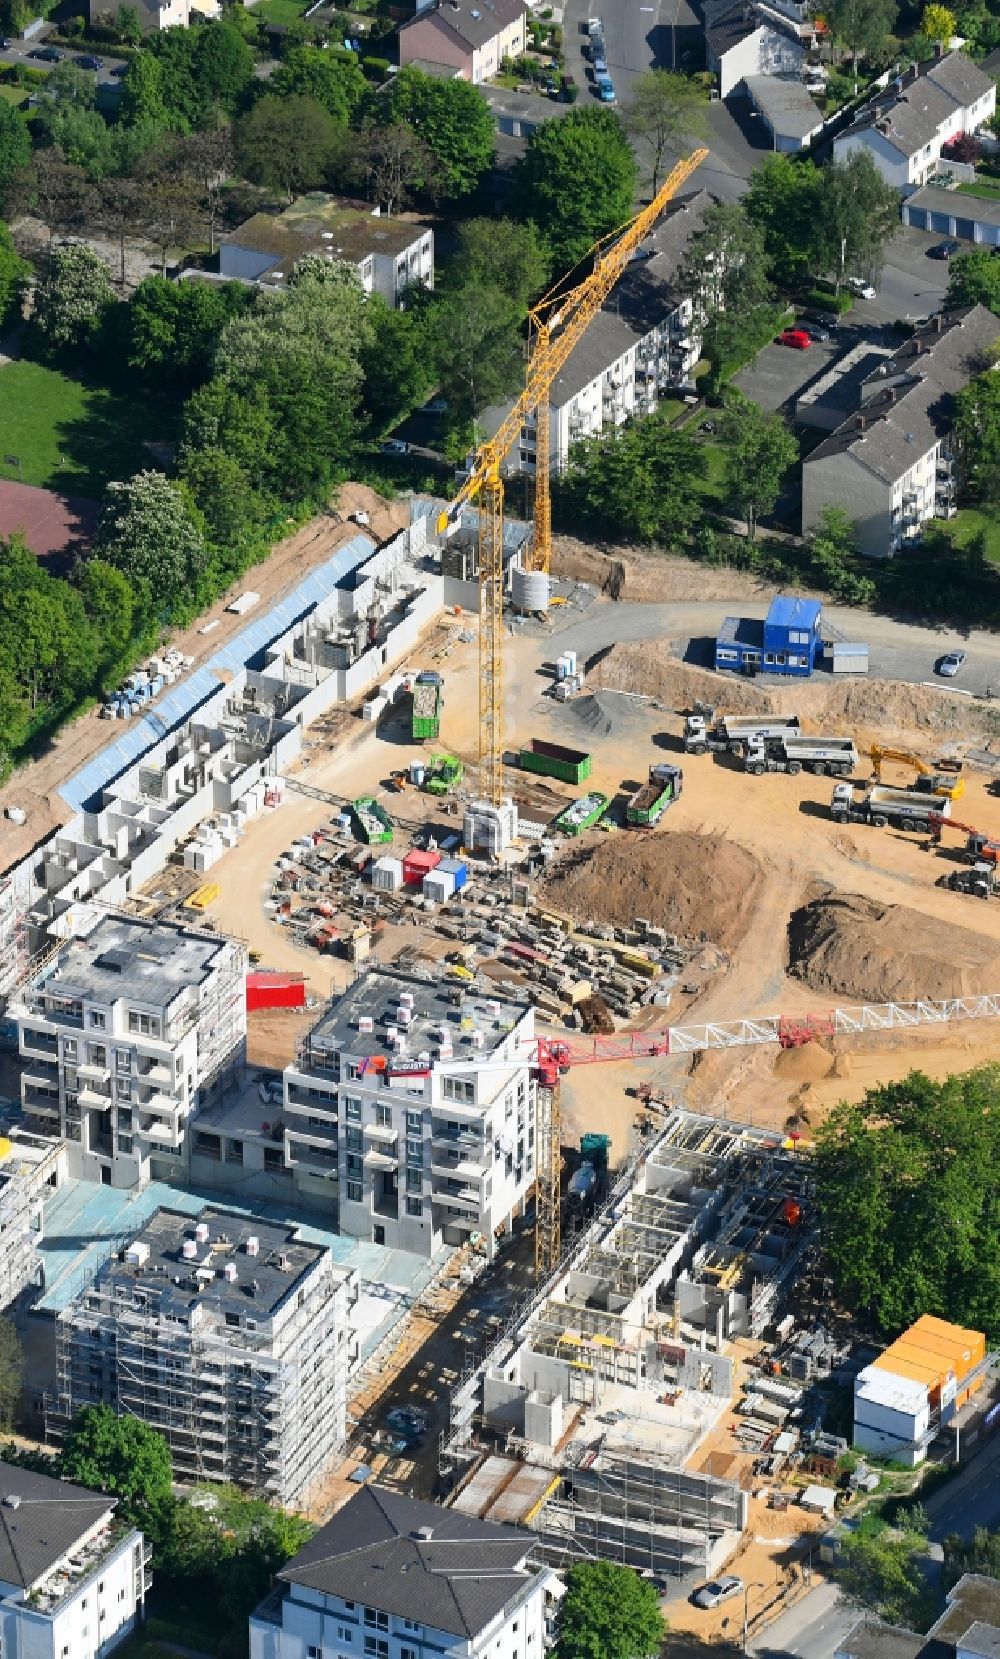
(122, 1036)
(420, 1107)
(747, 38)
(904, 126)
(969, 1628)
(645, 341)
(73, 1580)
(162, 14)
(390, 256)
(890, 463)
(227, 1333)
(392, 1577)
(471, 39)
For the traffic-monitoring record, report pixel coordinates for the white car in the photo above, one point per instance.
(863, 289)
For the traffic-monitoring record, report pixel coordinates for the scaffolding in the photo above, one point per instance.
(29, 1167)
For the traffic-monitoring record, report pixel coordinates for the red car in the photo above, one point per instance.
(796, 337)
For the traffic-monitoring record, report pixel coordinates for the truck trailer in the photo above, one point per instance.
(428, 695)
(795, 753)
(552, 760)
(730, 733)
(880, 806)
(647, 806)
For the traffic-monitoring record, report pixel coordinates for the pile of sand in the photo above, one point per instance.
(692, 885)
(808, 1064)
(848, 946)
(647, 667)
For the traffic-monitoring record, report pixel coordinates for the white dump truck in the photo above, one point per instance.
(879, 805)
(795, 753)
(705, 731)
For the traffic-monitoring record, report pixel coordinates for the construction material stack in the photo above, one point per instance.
(428, 695)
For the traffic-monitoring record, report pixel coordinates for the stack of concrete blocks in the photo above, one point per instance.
(375, 707)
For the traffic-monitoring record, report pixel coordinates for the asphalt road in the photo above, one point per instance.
(21, 52)
(898, 650)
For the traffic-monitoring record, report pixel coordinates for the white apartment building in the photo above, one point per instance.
(645, 341)
(30, 1168)
(390, 256)
(123, 1034)
(228, 1334)
(890, 463)
(394, 1578)
(73, 1581)
(904, 127)
(746, 40)
(417, 1099)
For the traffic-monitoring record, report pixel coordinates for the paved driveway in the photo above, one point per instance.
(780, 372)
(911, 285)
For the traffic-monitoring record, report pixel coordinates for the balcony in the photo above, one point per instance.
(312, 1157)
(380, 1160)
(161, 1134)
(99, 1098)
(42, 1078)
(99, 1071)
(157, 1072)
(467, 1199)
(160, 1102)
(382, 1133)
(39, 1042)
(42, 1105)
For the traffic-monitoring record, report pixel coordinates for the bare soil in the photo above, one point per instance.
(850, 946)
(693, 887)
(631, 574)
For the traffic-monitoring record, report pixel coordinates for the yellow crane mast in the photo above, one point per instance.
(558, 323)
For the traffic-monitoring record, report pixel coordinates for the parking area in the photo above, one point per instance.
(912, 285)
(780, 372)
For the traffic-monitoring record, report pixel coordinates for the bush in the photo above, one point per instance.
(375, 68)
(824, 299)
(965, 146)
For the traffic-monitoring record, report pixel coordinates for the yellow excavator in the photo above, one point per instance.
(929, 782)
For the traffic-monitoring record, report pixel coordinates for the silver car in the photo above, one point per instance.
(719, 1590)
(950, 665)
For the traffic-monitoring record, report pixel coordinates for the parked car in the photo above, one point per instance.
(86, 61)
(394, 446)
(951, 664)
(822, 319)
(47, 54)
(817, 333)
(600, 66)
(718, 1591)
(605, 89)
(120, 71)
(863, 289)
(797, 338)
(5, 44)
(436, 406)
(943, 250)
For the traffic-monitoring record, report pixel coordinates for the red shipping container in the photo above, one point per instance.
(417, 864)
(275, 990)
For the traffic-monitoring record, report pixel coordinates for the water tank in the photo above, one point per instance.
(529, 589)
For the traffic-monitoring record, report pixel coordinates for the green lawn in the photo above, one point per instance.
(967, 523)
(16, 95)
(70, 436)
(981, 187)
(281, 11)
(713, 484)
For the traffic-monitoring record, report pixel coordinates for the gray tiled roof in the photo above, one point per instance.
(46, 1520)
(474, 21)
(960, 78)
(871, 1639)
(416, 1561)
(911, 116)
(902, 422)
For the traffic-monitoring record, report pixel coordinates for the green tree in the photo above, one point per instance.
(938, 24)
(392, 162)
(575, 182)
(110, 606)
(148, 531)
(978, 1554)
(142, 99)
(760, 451)
(174, 327)
(396, 367)
(666, 112)
(11, 1372)
(608, 1612)
(858, 214)
(477, 350)
(221, 68)
(128, 26)
(501, 253)
(833, 547)
(907, 1198)
(15, 146)
(783, 201)
(881, 1568)
(224, 496)
(13, 274)
(976, 434)
(287, 144)
(309, 72)
(726, 272)
(118, 1455)
(639, 481)
(860, 25)
(73, 297)
(974, 279)
(454, 121)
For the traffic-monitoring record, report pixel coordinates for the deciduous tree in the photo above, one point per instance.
(858, 214)
(665, 113)
(287, 144)
(503, 254)
(575, 182)
(11, 1369)
(639, 480)
(308, 71)
(760, 450)
(783, 201)
(454, 121)
(727, 274)
(148, 531)
(477, 350)
(15, 146)
(974, 279)
(118, 1455)
(976, 430)
(938, 24)
(860, 25)
(72, 297)
(13, 272)
(392, 162)
(880, 1568)
(608, 1612)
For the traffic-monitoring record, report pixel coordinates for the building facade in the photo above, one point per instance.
(471, 40)
(230, 1336)
(394, 1578)
(414, 1102)
(73, 1581)
(389, 256)
(30, 1167)
(891, 462)
(123, 1035)
(743, 41)
(904, 127)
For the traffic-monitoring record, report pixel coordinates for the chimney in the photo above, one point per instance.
(939, 322)
(918, 344)
(892, 394)
(861, 423)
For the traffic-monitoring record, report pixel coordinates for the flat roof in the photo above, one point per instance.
(871, 1639)
(973, 1602)
(320, 224)
(264, 1279)
(741, 630)
(839, 386)
(149, 962)
(889, 1388)
(786, 610)
(437, 1008)
(933, 199)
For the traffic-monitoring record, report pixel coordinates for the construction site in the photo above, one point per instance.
(557, 946)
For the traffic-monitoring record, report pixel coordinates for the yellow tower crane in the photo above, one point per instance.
(558, 322)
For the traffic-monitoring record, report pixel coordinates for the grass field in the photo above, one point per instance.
(70, 436)
(16, 95)
(281, 11)
(982, 187)
(968, 523)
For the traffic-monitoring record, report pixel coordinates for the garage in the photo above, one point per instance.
(947, 213)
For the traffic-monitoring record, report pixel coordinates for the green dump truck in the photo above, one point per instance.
(374, 823)
(647, 806)
(552, 760)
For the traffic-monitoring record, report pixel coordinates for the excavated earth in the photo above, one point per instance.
(847, 946)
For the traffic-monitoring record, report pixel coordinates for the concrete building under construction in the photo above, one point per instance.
(29, 1169)
(582, 1419)
(228, 1335)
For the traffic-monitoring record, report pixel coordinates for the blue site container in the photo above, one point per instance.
(456, 867)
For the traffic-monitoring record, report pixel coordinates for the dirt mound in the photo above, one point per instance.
(648, 668)
(629, 573)
(804, 1065)
(848, 946)
(689, 884)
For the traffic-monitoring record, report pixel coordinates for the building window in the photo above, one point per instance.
(312, 1652)
(123, 1059)
(459, 1088)
(97, 1054)
(376, 1647)
(414, 1206)
(383, 1117)
(97, 1020)
(353, 1140)
(414, 1180)
(343, 1633)
(414, 1121)
(125, 1143)
(415, 1152)
(69, 1048)
(376, 1619)
(407, 1653)
(143, 1025)
(124, 1089)
(353, 1110)
(354, 1192)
